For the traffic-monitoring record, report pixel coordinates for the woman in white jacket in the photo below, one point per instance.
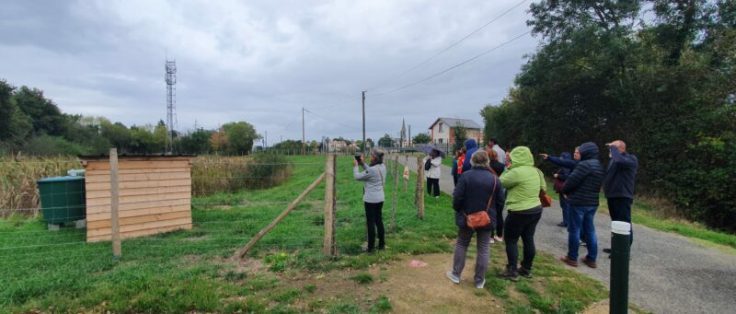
(374, 178)
(434, 160)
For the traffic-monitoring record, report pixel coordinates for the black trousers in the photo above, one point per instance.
(499, 221)
(433, 187)
(620, 210)
(524, 226)
(374, 222)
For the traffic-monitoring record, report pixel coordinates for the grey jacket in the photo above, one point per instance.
(374, 179)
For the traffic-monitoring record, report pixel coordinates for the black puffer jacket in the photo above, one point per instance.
(584, 183)
(472, 192)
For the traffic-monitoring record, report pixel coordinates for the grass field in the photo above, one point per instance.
(286, 273)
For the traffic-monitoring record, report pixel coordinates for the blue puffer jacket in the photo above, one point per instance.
(472, 192)
(471, 146)
(584, 183)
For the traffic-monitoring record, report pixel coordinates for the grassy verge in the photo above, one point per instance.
(190, 270)
(657, 216)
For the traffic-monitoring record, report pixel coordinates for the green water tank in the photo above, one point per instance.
(62, 199)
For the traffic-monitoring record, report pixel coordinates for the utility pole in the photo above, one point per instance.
(266, 144)
(365, 145)
(303, 137)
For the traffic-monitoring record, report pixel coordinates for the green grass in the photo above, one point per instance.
(645, 214)
(190, 270)
(656, 217)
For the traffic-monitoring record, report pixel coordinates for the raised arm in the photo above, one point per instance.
(626, 161)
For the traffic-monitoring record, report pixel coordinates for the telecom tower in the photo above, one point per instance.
(170, 104)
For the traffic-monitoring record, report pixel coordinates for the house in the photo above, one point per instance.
(442, 130)
(337, 146)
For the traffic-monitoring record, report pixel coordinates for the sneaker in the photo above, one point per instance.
(562, 224)
(607, 250)
(525, 272)
(569, 261)
(498, 239)
(582, 243)
(453, 278)
(509, 275)
(481, 284)
(589, 263)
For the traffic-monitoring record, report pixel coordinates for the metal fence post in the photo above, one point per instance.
(330, 247)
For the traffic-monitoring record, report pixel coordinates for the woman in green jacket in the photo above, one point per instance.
(522, 182)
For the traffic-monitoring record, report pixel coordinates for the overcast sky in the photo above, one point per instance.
(262, 61)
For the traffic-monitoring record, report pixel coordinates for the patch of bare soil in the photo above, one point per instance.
(409, 289)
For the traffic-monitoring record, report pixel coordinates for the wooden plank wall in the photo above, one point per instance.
(155, 197)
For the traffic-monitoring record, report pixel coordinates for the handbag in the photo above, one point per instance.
(480, 219)
(558, 185)
(545, 199)
(428, 164)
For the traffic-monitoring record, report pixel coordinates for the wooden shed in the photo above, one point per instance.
(155, 194)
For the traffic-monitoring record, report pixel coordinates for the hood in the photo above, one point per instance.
(470, 144)
(588, 150)
(566, 155)
(521, 156)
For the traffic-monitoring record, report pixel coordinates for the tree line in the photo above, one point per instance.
(33, 124)
(660, 75)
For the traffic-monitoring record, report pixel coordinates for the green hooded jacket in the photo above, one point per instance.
(522, 181)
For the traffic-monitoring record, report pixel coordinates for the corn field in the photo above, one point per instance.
(18, 178)
(210, 174)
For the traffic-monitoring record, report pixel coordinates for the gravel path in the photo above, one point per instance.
(669, 273)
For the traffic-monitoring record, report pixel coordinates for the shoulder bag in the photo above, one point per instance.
(480, 219)
(545, 199)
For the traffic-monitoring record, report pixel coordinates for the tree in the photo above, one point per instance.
(240, 137)
(197, 142)
(421, 138)
(385, 141)
(461, 134)
(45, 115)
(14, 124)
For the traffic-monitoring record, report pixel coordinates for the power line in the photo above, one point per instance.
(454, 66)
(457, 42)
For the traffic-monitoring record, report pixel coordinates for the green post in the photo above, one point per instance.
(620, 245)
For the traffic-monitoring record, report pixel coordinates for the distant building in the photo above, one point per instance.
(442, 132)
(337, 146)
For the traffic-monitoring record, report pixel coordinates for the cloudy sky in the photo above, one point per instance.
(262, 61)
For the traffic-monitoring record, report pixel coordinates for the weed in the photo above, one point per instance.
(382, 305)
(362, 278)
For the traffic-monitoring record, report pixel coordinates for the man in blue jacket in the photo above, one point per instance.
(582, 188)
(619, 183)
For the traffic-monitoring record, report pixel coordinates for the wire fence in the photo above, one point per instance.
(213, 226)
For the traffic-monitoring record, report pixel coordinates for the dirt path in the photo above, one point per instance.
(669, 273)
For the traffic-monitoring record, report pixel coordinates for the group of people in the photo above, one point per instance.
(579, 181)
(488, 180)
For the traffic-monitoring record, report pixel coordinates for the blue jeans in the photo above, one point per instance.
(581, 221)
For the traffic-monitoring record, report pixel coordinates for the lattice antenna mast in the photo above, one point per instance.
(170, 103)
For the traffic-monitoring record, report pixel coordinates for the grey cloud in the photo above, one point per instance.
(262, 61)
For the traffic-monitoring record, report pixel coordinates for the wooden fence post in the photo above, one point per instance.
(114, 202)
(396, 190)
(330, 247)
(420, 188)
(406, 180)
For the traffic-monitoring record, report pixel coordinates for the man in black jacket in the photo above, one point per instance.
(619, 183)
(581, 189)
